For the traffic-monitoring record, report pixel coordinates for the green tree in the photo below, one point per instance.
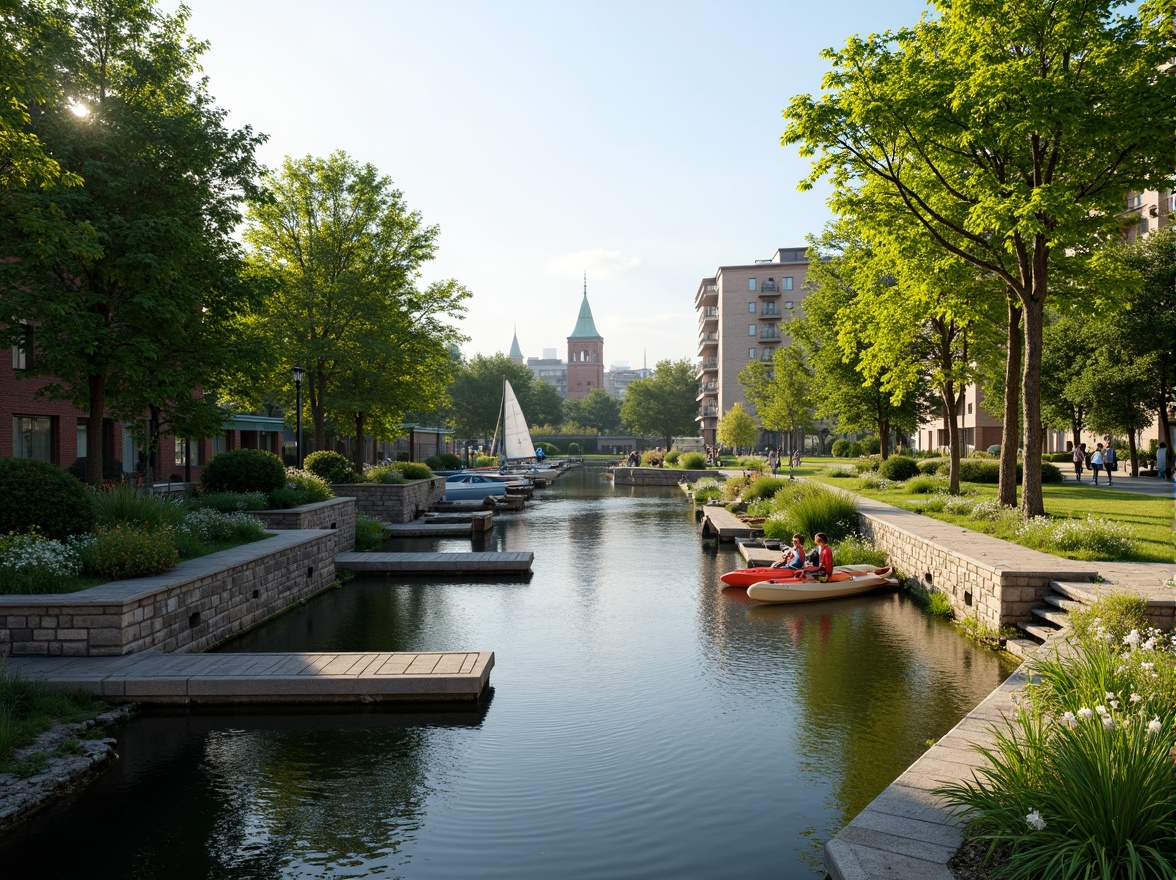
(1067, 352)
(1010, 130)
(665, 404)
(342, 254)
(856, 402)
(599, 411)
(546, 405)
(476, 393)
(737, 428)
(139, 316)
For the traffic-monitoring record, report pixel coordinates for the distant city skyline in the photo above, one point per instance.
(636, 142)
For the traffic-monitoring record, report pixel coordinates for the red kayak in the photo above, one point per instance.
(745, 577)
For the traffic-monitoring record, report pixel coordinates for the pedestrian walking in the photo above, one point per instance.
(1096, 462)
(1079, 461)
(1110, 462)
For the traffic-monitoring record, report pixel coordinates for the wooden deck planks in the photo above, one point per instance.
(482, 563)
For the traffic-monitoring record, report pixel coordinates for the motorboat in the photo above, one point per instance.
(468, 486)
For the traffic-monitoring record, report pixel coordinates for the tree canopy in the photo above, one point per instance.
(476, 393)
(665, 404)
(737, 428)
(130, 305)
(1010, 131)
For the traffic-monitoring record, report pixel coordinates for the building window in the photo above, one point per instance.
(751, 329)
(32, 437)
(787, 283)
(751, 284)
(220, 443)
(969, 409)
(751, 307)
(83, 425)
(1134, 200)
(751, 354)
(1172, 203)
(22, 352)
(1142, 226)
(182, 450)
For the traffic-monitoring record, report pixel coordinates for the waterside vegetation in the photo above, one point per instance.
(29, 707)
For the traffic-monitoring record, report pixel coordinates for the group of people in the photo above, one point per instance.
(817, 563)
(774, 459)
(1102, 460)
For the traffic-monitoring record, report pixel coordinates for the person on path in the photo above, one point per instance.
(794, 556)
(1096, 462)
(1110, 462)
(1162, 461)
(796, 458)
(774, 460)
(1079, 461)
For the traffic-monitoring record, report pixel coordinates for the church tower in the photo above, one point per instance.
(516, 353)
(585, 353)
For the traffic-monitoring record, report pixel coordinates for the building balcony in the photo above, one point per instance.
(708, 315)
(769, 312)
(707, 389)
(771, 334)
(707, 341)
(708, 295)
(709, 412)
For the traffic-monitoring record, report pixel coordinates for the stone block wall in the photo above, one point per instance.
(642, 476)
(394, 502)
(197, 604)
(336, 514)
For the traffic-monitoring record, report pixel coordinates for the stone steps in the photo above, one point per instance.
(1050, 618)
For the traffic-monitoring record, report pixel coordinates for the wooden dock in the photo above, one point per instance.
(154, 677)
(489, 563)
(719, 522)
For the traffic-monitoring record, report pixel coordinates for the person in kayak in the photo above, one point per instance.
(794, 556)
(823, 570)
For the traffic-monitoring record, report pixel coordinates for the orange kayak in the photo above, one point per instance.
(745, 577)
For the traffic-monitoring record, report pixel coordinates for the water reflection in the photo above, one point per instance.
(645, 723)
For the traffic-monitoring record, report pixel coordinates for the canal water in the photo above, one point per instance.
(642, 723)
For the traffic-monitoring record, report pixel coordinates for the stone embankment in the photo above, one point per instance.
(72, 757)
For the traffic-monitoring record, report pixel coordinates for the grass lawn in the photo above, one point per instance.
(1149, 518)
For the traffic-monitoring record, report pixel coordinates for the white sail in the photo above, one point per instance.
(516, 438)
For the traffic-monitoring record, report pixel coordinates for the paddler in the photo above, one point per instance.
(793, 557)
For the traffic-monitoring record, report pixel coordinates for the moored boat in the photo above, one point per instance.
(745, 577)
(804, 590)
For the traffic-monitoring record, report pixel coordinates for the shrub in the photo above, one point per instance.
(1059, 457)
(414, 470)
(1050, 473)
(129, 551)
(672, 456)
(112, 469)
(994, 449)
(873, 480)
(31, 563)
(385, 473)
(1111, 617)
(930, 467)
(898, 468)
(334, 467)
(692, 461)
(979, 453)
(821, 511)
(871, 445)
(856, 550)
(1079, 539)
(227, 502)
(763, 487)
(212, 526)
(39, 495)
(302, 487)
(856, 450)
(841, 448)
(369, 533)
(706, 489)
(447, 461)
(485, 461)
(243, 470)
(123, 504)
(842, 471)
(752, 463)
(650, 457)
(923, 485)
(977, 471)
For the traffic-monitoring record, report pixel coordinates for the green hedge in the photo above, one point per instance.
(40, 495)
(898, 468)
(334, 467)
(243, 470)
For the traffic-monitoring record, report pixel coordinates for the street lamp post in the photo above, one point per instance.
(297, 373)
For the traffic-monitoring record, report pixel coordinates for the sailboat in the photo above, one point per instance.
(516, 436)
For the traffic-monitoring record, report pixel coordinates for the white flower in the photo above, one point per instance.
(1108, 722)
(1132, 638)
(1150, 644)
(1135, 698)
(1110, 695)
(1101, 710)
(1084, 712)
(1154, 726)
(1114, 704)
(1069, 720)
(1035, 821)
(1147, 667)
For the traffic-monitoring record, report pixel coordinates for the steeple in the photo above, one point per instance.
(585, 326)
(516, 353)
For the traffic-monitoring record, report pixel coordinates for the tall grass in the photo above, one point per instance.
(28, 706)
(124, 505)
(809, 510)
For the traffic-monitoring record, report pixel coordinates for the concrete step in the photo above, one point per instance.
(1023, 648)
(1052, 615)
(1041, 633)
(1078, 591)
(1058, 601)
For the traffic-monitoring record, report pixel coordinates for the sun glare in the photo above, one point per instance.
(78, 109)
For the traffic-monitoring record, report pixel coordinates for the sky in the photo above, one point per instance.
(637, 142)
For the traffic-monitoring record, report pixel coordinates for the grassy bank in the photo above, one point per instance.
(28, 708)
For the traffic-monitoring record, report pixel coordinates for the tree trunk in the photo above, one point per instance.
(1033, 504)
(1133, 455)
(95, 450)
(317, 383)
(1165, 424)
(1010, 435)
(951, 419)
(357, 457)
(152, 446)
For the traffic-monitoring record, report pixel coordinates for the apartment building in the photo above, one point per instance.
(743, 316)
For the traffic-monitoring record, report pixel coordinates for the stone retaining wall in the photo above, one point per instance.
(394, 502)
(335, 514)
(626, 476)
(198, 603)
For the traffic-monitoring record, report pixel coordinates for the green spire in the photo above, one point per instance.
(515, 351)
(585, 326)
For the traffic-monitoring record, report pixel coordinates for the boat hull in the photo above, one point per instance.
(780, 592)
(745, 577)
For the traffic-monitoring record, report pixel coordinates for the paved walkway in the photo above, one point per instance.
(1141, 485)
(155, 677)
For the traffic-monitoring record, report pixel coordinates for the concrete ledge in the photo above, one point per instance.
(334, 514)
(507, 562)
(393, 502)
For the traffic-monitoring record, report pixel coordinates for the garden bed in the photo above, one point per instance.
(393, 502)
(337, 515)
(196, 604)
